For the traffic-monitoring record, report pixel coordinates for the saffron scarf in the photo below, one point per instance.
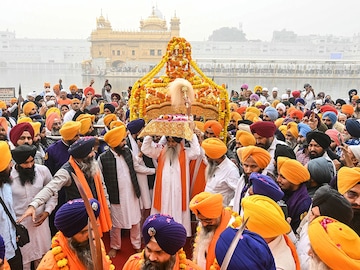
(293, 251)
(104, 216)
(158, 180)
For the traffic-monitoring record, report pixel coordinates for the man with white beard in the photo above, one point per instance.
(333, 245)
(171, 189)
(28, 179)
(84, 166)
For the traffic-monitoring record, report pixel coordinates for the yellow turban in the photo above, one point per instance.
(253, 110)
(3, 104)
(101, 107)
(85, 115)
(292, 170)
(347, 178)
(200, 125)
(116, 123)
(36, 126)
(275, 102)
(5, 155)
(265, 216)
(283, 129)
(24, 119)
(259, 155)
(115, 136)
(109, 118)
(235, 116)
(28, 107)
(53, 110)
(258, 88)
(69, 130)
(214, 125)
(214, 147)
(4, 123)
(278, 122)
(258, 103)
(245, 138)
(251, 117)
(233, 107)
(336, 244)
(85, 125)
(210, 205)
(293, 128)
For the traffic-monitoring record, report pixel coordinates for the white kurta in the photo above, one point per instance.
(40, 237)
(171, 196)
(282, 254)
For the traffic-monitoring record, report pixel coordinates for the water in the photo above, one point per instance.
(34, 80)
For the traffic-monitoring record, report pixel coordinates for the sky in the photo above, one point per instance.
(76, 19)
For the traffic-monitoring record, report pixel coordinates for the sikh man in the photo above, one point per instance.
(164, 239)
(53, 123)
(172, 176)
(251, 251)
(7, 229)
(264, 133)
(84, 166)
(292, 176)
(20, 134)
(120, 168)
(72, 241)
(28, 179)
(3, 129)
(222, 175)
(253, 159)
(75, 107)
(291, 135)
(333, 245)
(213, 219)
(348, 184)
(267, 219)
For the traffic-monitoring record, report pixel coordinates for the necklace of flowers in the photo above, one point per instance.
(181, 254)
(235, 224)
(60, 256)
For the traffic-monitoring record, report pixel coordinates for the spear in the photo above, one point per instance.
(20, 99)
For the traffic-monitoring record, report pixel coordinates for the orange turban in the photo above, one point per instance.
(36, 126)
(28, 107)
(251, 117)
(291, 109)
(347, 109)
(4, 123)
(265, 216)
(75, 100)
(214, 148)
(116, 123)
(296, 113)
(46, 85)
(5, 155)
(293, 128)
(50, 119)
(292, 170)
(109, 118)
(85, 115)
(259, 155)
(13, 100)
(52, 110)
(85, 125)
(69, 130)
(200, 125)
(245, 138)
(3, 105)
(56, 87)
(214, 125)
(89, 89)
(233, 107)
(335, 243)
(235, 116)
(278, 122)
(241, 110)
(24, 119)
(348, 178)
(115, 136)
(275, 102)
(253, 110)
(210, 205)
(73, 87)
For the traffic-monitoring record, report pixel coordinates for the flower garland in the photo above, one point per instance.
(61, 258)
(237, 221)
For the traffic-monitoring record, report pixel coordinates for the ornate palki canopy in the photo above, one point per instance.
(150, 97)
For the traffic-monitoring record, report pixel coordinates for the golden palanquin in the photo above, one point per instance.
(150, 96)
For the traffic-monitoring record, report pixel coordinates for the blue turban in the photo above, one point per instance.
(110, 107)
(2, 248)
(331, 115)
(301, 100)
(170, 235)
(82, 147)
(72, 217)
(135, 126)
(272, 113)
(266, 186)
(303, 129)
(353, 127)
(251, 252)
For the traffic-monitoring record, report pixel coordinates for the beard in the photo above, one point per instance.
(151, 265)
(291, 143)
(172, 153)
(83, 252)
(264, 146)
(210, 169)
(55, 132)
(88, 166)
(26, 175)
(231, 127)
(119, 150)
(317, 264)
(314, 154)
(202, 245)
(5, 176)
(3, 137)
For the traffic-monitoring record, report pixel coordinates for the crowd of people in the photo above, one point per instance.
(283, 188)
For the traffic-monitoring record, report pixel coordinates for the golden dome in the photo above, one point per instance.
(153, 22)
